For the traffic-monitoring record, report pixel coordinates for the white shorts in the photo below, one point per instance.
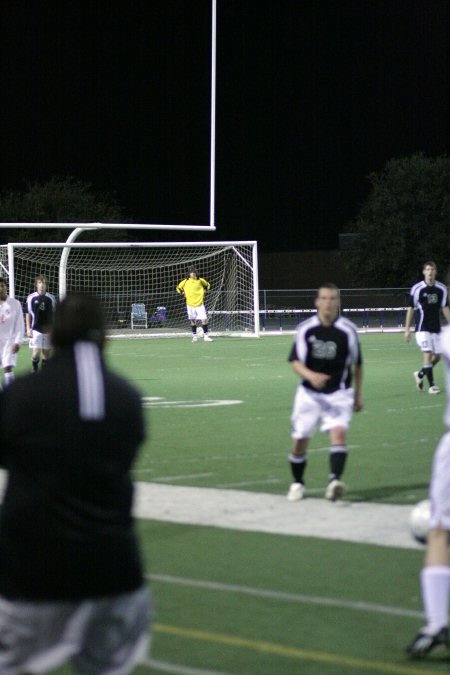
(330, 410)
(7, 356)
(440, 485)
(100, 637)
(40, 340)
(429, 342)
(196, 313)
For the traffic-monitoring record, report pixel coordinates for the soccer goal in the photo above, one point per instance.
(143, 276)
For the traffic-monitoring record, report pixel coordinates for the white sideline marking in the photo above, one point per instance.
(298, 598)
(182, 477)
(156, 401)
(359, 522)
(414, 407)
(231, 456)
(268, 481)
(178, 669)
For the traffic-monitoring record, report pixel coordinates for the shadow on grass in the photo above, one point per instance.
(391, 493)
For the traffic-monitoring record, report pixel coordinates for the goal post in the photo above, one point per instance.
(128, 273)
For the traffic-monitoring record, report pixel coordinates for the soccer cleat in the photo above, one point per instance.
(195, 338)
(208, 339)
(296, 492)
(419, 380)
(423, 644)
(434, 389)
(335, 490)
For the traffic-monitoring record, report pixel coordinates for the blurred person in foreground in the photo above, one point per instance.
(435, 575)
(71, 579)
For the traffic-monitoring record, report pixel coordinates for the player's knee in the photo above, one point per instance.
(338, 436)
(437, 547)
(300, 446)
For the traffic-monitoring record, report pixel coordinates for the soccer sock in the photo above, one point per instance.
(435, 584)
(338, 457)
(35, 364)
(428, 372)
(194, 330)
(205, 328)
(9, 377)
(298, 466)
(44, 363)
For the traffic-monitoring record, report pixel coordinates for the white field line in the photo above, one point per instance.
(188, 476)
(178, 669)
(267, 481)
(297, 598)
(248, 455)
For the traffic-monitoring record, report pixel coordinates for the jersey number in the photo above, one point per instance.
(324, 350)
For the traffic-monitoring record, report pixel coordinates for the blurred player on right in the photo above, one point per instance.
(435, 575)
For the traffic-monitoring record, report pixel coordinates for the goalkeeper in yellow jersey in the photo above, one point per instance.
(193, 289)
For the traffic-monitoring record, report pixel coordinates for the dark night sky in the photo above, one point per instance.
(311, 98)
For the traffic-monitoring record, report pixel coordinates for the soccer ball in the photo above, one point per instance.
(419, 521)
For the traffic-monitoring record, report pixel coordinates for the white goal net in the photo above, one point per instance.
(126, 274)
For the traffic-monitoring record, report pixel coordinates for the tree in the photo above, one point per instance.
(59, 200)
(404, 222)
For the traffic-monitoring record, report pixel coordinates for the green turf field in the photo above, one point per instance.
(242, 441)
(253, 603)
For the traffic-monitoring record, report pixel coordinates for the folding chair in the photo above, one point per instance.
(138, 315)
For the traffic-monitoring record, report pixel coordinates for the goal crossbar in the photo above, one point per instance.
(106, 226)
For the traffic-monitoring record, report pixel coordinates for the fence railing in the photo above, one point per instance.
(368, 308)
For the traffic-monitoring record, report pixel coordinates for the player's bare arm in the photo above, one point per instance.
(446, 313)
(408, 322)
(318, 380)
(357, 373)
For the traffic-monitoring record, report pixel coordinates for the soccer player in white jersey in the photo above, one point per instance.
(426, 299)
(326, 354)
(193, 289)
(39, 318)
(435, 575)
(12, 331)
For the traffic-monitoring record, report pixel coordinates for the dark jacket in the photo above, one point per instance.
(66, 529)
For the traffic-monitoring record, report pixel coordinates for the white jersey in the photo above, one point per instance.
(12, 325)
(445, 343)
